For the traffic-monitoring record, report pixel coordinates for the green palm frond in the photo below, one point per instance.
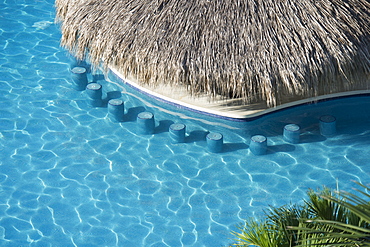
(349, 224)
(255, 233)
(327, 218)
(287, 216)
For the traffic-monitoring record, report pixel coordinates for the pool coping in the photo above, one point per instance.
(232, 115)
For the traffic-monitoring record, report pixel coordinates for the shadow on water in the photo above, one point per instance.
(163, 126)
(111, 95)
(359, 130)
(231, 147)
(196, 136)
(132, 113)
(310, 138)
(349, 140)
(280, 148)
(98, 77)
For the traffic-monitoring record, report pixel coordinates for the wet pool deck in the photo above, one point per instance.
(233, 109)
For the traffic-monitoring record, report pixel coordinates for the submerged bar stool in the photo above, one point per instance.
(258, 145)
(145, 123)
(328, 125)
(291, 133)
(94, 93)
(177, 132)
(116, 110)
(214, 142)
(79, 63)
(79, 78)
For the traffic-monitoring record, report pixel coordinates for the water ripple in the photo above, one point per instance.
(69, 176)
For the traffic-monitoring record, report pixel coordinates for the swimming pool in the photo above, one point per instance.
(71, 177)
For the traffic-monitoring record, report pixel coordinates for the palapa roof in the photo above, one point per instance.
(258, 50)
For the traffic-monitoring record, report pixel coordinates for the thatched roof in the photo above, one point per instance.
(260, 50)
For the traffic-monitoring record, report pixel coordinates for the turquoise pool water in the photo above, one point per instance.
(71, 177)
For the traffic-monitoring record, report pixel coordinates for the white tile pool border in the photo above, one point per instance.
(234, 116)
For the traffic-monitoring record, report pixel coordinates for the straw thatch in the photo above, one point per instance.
(258, 50)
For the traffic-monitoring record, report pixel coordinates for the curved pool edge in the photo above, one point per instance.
(229, 113)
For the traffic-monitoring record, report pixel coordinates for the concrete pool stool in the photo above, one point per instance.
(328, 125)
(145, 123)
(291, 133)
(94, 93)
(177, 132)
(214, 142)
(79, 78)
(116, 108)
(258, 145)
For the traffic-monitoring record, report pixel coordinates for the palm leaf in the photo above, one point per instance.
(326, 219)
(349, 224)
(255, 233)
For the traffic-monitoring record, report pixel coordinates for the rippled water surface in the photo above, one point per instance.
(69, 176)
